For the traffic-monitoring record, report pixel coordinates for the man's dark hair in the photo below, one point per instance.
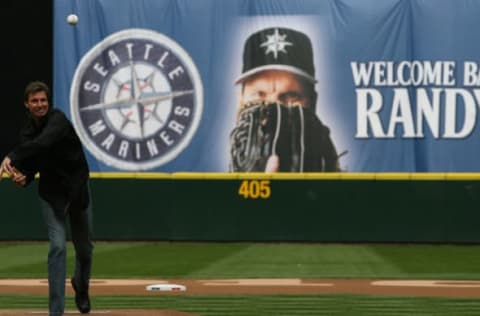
(34, 87)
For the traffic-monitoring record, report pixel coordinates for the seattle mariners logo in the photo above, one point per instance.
(136, 100)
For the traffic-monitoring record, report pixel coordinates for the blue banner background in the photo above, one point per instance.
(342, 31)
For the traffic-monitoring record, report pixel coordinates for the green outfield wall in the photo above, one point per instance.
(355, 208)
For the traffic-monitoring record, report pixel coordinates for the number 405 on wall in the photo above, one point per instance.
(255, 189)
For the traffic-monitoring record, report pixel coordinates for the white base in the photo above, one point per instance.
(167, 287)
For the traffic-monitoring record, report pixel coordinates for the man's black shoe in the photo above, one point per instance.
(81, 298)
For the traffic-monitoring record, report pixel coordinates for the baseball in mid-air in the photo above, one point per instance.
(72, 19)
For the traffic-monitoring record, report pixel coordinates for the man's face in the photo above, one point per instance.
(272, 86)
(37, 104)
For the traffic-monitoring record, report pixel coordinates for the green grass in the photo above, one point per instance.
(255, 260)
(241, 260)
(248, 305)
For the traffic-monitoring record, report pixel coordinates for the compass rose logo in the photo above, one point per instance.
(136, 100)
(276, 43)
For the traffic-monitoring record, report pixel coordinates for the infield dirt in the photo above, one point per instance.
(434, 288)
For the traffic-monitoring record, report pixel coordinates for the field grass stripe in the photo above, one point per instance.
(265, 260)
(272, 305)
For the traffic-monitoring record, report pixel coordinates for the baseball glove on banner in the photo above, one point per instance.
(293, 133)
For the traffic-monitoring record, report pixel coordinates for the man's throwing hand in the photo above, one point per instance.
(6, 167)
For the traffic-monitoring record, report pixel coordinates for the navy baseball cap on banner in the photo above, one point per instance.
(278, 48)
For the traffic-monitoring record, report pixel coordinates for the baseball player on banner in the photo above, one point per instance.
(276, 127)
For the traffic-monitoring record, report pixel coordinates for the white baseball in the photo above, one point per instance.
(72, 19)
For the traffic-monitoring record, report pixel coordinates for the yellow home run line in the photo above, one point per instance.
(288, 176)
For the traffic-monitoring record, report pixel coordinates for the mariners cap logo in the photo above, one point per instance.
(136, 100)
(278, 49)
(275, 43)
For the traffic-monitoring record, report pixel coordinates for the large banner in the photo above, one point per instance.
(271, 85)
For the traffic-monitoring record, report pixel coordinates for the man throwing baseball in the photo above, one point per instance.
(49, 146)
(276, 128)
